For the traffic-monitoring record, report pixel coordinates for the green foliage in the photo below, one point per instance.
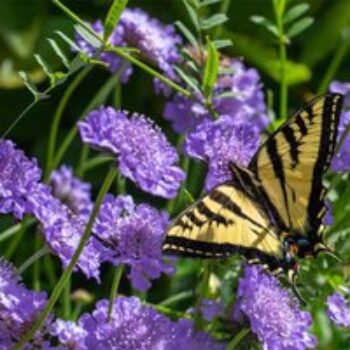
(211, 70)
(113, 17)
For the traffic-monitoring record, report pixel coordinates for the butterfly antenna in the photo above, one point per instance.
(292, 278)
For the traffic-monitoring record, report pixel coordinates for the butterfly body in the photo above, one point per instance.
(272, 211)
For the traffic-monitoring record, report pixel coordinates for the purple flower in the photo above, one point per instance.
(237, 94)
(341, 160)
(211, 309)
(134, 235)
(114, 61)
(156, 42)
(71, 191)
(143, 152)
(19, 308)
(63, 230)
(136, 326)
(220, 142)
(70, 334)
(273, 313)
(19, 177)
(338, 310)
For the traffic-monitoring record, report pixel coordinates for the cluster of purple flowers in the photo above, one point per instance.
(156, 42)
(143, 153)
(338, 309)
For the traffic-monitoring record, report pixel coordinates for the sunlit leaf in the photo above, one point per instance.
(44, 65)
(267, 24)
(213, 21)
(113, 16)
(59, 52)
(87, 36)
(222, 43)
(299, 26)
(295, 12)
(211, 70)
(68, 40)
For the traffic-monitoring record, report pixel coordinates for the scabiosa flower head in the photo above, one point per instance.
(19, 177)
(338, 310)
(237, 94)
(274, 315)
(211, 309)
(136, 326)
(19, 308)
(134, 234)
(69, 334)
(71, 191)
(114, 61)
(220, 142)
(143, 152)
(341, 160)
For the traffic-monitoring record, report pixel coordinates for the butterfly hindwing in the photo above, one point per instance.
(223, 222)
(291, 163)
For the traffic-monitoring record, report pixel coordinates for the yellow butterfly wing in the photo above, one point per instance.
(291, 163)
(224, 222)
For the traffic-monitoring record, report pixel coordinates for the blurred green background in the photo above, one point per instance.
(25, 26)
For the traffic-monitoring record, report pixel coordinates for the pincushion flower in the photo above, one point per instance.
(134, 235)
(71, 191)
(220, 142)
(144, 155)
(133, 326)
(155, 41)
(19, 308)
(19, 177)
(274, 315)
(338, 310)
(341, 160)
(237, 94)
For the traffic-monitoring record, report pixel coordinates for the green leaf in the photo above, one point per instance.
(29, 83)
(59, 52)
(76, 63)
(226, 94)
(295, 12)
(112, 18)
(211, 70)
(208, 2)
(187, 34)
(266, 59)
(44, 65)
(88, 37)
(68, 40)
(192, 13)
(300, 26)
(222, 43)
(190, 81)
(213, 21)
(267, 24)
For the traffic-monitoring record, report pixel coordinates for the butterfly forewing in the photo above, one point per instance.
(224, 222)
(291, 163)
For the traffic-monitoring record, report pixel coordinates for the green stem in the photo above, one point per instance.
(36, 256)
(114, 289)
(237, 339)
(49, 269)
(98, 98)
(177, 297)
(58, 116)
(67, 300)
(68, 271)
(13, 230)
(334, 66)
(279, 7)
(84, 154)
(95, 162)
(224, 7)
(36, 266)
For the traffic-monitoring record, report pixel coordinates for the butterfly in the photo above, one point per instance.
(271, 211)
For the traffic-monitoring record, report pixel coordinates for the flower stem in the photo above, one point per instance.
(114, 289)
(58, 116)
(279, 7)
(37, 255)
(68, 271)
(84, 154)
(13, 230)
(187, 294)
(36, 265)
(66, 300)
(237, 339)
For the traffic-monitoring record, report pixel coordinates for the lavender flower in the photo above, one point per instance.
(143, 152)
(135, 326)
(134, 234)
(341, 161)
(18, 179)
(338, 310)
(71, 191)
(237, 94)
(156, 42)
(274, 315)
(19, 308)
(221, 142)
